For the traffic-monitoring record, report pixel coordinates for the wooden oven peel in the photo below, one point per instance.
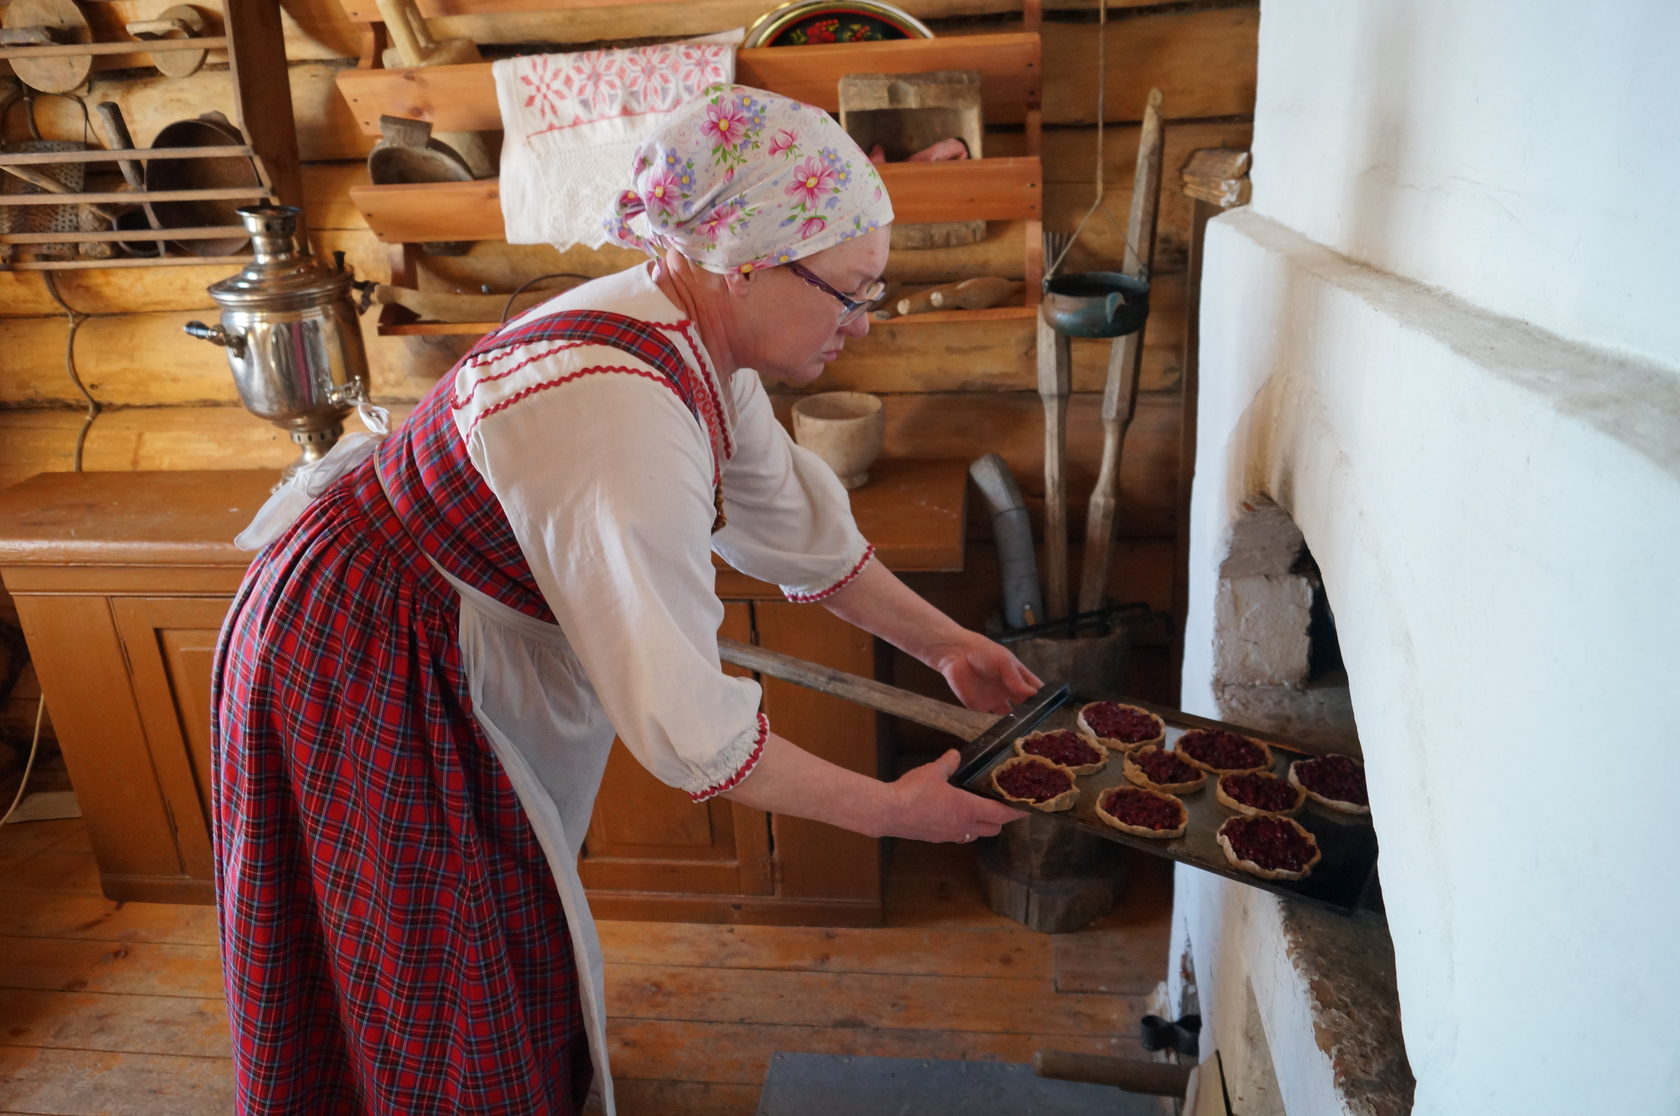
(1344, 881)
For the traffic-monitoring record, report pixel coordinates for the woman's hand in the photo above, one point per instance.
(984, 675)
(928, 808)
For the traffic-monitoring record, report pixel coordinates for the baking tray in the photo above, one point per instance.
(1344, 880)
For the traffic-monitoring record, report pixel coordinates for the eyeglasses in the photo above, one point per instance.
(851, 308)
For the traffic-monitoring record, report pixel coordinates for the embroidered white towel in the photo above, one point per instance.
(571, 123)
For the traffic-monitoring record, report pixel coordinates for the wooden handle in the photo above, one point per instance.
(975, 294)
(954, 719)
(922, 301)
(1125, 361)
(113, 129)
(1160, 1079)
(1055, 356)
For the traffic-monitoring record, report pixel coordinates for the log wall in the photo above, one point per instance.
(958, 390)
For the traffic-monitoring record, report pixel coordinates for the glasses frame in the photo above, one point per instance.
(851, 308)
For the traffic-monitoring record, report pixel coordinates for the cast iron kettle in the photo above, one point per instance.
(1096, 303)
(290, 331)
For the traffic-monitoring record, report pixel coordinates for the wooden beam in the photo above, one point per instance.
(986, 189)
(463, 97)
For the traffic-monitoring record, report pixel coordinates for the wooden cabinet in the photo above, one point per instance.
(122, 581)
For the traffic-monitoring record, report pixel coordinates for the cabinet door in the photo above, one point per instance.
(817, 861)
(170, 643)
(648, 837)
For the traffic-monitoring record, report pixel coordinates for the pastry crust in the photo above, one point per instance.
(1130, 768)
(1122, 745)
(1192, 734)
(1254, 869)
(1051, 805)
(1143, 830)
(1342, 805)
(1077, 768)
(1221, 792)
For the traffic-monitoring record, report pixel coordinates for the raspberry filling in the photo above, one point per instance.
(1113, 721)
(1338, 777)
(1142, 808)
(1035, 782)
(1269, 842)
(1261, 791)
(1219, 749)
(1164, 767)
(1064, 746)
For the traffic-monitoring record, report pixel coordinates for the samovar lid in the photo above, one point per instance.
(279, 277)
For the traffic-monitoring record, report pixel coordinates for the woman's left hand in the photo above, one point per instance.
(984, 675)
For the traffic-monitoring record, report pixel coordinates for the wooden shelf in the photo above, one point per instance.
(462, 98)
(479, 329)
(134, 46)
(263, 113)
(974, 189)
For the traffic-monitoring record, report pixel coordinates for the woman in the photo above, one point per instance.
(421, 677)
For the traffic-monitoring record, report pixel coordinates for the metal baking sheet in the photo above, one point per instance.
(1344, 880)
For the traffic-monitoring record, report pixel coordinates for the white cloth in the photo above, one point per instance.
(571, 124)
(299, 490)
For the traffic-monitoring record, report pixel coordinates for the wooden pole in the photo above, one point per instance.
(1124, 360)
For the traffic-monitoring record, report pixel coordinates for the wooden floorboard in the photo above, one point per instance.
(116, 1007)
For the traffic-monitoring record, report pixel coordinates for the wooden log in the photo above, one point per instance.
(144, 360)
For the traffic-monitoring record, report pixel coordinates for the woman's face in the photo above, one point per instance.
(790, 327)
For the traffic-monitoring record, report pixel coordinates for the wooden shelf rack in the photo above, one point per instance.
(257, 67)
(462, 98)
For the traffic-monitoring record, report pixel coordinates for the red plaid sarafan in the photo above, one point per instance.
(392, 938)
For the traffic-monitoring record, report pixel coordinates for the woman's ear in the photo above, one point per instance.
(739, 282)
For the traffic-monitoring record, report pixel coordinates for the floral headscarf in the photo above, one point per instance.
(743, 179)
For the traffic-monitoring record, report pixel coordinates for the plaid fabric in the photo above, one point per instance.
(392, 938)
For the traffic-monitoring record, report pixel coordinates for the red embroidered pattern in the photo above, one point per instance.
(807, 598)
(714, 419)
(569, 377)
(702, 388)
(746, 767)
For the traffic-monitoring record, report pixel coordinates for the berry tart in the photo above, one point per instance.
(1035, 781)
(1154, 768)
(1222, 753)
(1121, 726)
(1335, 781)
(1075, 751)
(1268, 846)
(1142, 813)
(1259, 792)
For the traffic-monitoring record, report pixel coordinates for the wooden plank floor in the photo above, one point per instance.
(116, 1008)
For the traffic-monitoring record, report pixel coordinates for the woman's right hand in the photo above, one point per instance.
(928, 808)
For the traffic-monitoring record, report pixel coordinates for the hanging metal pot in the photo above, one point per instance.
(223, 172)
(1095, 303)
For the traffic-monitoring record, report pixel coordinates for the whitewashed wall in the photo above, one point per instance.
(1444, 338)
